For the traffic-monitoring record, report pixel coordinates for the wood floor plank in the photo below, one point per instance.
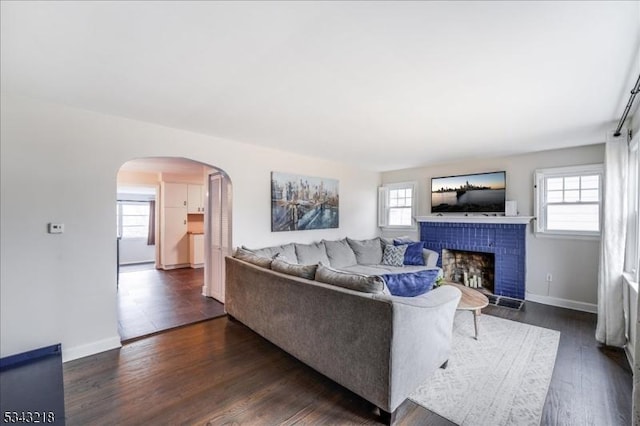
(220, 372)
(151, 301)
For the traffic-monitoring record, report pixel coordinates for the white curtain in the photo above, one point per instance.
(636, 375)
(632, 261)
(610, 329)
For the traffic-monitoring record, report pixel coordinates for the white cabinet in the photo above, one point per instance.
(174, 194)
(195, 198)
(174, 241)
(196, 250)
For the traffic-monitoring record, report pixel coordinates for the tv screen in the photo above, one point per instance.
(477, 193)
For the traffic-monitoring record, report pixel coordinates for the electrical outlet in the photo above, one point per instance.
(549, 277)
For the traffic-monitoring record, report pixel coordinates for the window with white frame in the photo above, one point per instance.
(396, 205)
(569, 200)
(133, 219)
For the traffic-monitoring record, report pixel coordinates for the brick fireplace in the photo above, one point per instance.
(500, 246)
(471, 268)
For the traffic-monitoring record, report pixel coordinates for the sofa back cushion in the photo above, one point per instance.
(394, 255)
(311, 254)
(302, 271)
(368, 252)
(287, 250)
(253, 258)
(340, 253)
(413, 254)
(357, 282)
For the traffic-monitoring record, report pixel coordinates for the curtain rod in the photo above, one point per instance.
(634, 92)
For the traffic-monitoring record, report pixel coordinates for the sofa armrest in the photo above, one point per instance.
(432, 299)
(422, 333)
(430, 257)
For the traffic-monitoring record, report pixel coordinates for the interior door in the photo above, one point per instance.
(217, 235)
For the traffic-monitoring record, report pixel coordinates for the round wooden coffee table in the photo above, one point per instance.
(472, 300)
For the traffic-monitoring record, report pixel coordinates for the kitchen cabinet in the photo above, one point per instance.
(174, 242)
(174, 194)
(195, 198)
(196, 250)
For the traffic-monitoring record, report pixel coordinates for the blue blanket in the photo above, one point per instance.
(411, 284)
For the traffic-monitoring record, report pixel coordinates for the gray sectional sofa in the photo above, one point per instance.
(343, 323)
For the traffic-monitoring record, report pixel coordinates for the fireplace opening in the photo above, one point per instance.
(470, 268)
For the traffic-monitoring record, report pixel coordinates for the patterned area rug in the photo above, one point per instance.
(500, 379)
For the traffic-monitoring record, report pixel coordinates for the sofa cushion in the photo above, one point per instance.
(357, 282)
(310, 254)
(366, 269)
(302, 271)
(411, 284)
(394, 255)
(287, 250)
(413, 255)
(387, 269)
(340, 253)
(253, 258)
(368, 252)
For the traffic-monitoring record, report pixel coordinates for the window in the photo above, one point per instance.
(133, 219)
(396, 205)
(569, 200)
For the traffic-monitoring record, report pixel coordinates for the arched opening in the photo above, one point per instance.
(174, 230)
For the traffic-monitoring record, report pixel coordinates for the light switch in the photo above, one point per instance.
(56, 228)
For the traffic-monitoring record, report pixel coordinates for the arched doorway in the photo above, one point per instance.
(189, 226)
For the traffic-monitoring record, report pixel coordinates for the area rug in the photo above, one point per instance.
(500, 379)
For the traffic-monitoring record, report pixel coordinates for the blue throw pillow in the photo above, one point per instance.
(413, 255)
(411, 284)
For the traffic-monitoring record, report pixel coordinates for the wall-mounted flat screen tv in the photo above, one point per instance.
(476, 193)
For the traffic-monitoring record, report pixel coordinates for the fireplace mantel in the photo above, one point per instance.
(476, 219)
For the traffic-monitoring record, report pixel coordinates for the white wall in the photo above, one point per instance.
(59, 164)
(573, 263)
(136, 250)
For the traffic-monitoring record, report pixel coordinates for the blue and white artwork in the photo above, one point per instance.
(300, 203)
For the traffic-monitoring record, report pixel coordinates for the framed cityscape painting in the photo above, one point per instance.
(300, 203)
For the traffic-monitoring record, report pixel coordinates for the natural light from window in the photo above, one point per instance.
(396, 205)
(573, 203)
(568, 201)
(133, 219)
(400, 202)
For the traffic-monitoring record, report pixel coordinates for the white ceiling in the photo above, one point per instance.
(384, 85)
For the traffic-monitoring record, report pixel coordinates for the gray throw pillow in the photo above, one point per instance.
(340, 253)
(287, 250)
(368, 252)
(394, 255)
(313, 253)
(302, 271)
(357, 282)
(253, 258)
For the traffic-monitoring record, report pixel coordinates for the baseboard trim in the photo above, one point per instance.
(629, 353)
(90, 348)
(563, 303)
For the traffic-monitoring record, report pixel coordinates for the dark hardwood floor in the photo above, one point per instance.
(152, 300)
(220, 372)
